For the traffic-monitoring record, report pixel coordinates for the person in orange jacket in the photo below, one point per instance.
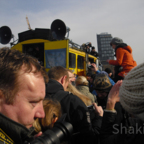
(124, 60)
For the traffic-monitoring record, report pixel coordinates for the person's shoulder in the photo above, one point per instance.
(80, 87)
(120, 49)
(73, 98)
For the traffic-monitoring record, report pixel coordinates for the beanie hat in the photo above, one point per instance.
(102, 83)
(132, 91)
(116, 41)
(93, 47)
(108, 70)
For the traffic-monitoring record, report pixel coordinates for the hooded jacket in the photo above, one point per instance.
(86, 127)
(71, 105)
(124, 58)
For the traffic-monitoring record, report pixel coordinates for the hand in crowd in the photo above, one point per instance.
(113, 96)
(98, 109)
(94, 67)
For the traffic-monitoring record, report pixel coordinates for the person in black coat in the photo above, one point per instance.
(130, 130)
(77, 112)
(93, 52)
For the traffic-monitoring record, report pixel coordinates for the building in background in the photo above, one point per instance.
(105, 51)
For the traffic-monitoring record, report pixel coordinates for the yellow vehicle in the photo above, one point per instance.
(51, 48)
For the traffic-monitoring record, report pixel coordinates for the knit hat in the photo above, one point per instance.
(132, 91)
(102, 83)
(116, 41)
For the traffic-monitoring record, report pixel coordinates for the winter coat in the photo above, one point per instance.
(85, 90)
(124, 59)
(77, 114)
(94, 53)
(13, 132)
(122, 134)
(71, 105)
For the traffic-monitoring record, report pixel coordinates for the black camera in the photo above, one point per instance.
(90, 66)
(60, 132)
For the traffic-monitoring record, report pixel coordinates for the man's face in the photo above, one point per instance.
(100, 94)
(113, 46)
(110, 74)
(28, 102)
(71, 77)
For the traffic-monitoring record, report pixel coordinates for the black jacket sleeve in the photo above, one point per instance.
(77, 113)
(106, 134)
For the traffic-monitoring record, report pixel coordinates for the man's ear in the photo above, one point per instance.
(63, 79)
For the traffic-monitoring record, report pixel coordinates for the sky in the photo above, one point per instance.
(85, 18)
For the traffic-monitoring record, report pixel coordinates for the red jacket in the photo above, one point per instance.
(124, 59)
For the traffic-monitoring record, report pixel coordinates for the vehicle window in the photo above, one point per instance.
(91, 60)
(36, 50)
(55, 57)
(80, 62)
(72, 59)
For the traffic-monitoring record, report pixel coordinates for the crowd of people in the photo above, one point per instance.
(101, 110)
(88, 48)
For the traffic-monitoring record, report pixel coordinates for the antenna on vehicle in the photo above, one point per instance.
(28, 23)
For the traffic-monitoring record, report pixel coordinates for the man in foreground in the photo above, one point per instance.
(77, 112)
(22, 90)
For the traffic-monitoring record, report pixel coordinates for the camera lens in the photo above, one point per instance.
(60, 131)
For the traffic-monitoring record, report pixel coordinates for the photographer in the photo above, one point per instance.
(93, 52)
(95, 69)
(22, 90)
(86, 47)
